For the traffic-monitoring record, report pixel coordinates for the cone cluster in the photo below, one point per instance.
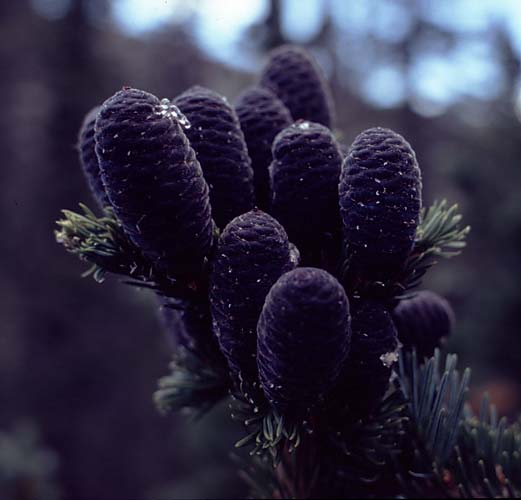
(304, 226)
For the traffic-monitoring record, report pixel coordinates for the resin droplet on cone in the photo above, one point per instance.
(218, 141)
(303, 338)
(423, 322)
(380, 202)
(304, 176)
(89, 160)
(293, 75)
(154, 182)
(262, 116)
(253, 251)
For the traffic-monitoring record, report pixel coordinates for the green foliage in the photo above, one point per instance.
(102, 242)
(488, 456)
(436, 398)
(195, 384)
(269, 433)
(439, 235)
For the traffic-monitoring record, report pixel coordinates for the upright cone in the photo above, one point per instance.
(303, 339)
(262, 116)
(423, 321)
(374, 350)
(154, 182)
(380, 202)
(294, 76)
(253, 251)
(304, 176)
(218, 141)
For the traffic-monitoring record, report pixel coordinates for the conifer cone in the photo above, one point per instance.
(374, 345)
(304, 177)
(262, 116)
(219, 144)
(423, 321)
(294, 76)
(380, 202)
(252, 252)
(303, 338)
(88, 158)
(154, 182)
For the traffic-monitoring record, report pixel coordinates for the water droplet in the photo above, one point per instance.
(378, 181)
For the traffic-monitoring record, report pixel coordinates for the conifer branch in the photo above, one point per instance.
(269, 434)
(455, 454)
(195, 385)
(102, 242)
(436, 401)
(439, 235)
(488, 456)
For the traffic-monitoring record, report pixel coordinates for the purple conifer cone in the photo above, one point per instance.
(252, 253)
(304, 176)
(380, 202)
(294, 76)
(219, 144)
(154, 181)
(89, 160)
(262, 116)
(374, 345)
(423, 321)
(303, 338)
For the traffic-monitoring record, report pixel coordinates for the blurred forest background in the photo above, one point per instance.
(79, 361)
